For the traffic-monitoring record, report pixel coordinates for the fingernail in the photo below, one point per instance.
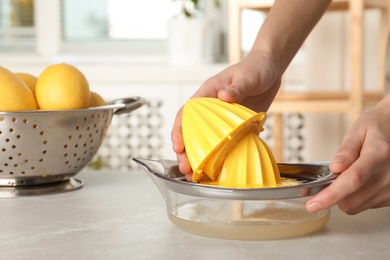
(313, 207)
(337, 160)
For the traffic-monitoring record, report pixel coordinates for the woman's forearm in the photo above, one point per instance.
(286, 27)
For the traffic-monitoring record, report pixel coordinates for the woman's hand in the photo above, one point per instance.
(363, 162)
(253, 82)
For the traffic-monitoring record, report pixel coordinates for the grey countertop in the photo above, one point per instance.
(121, 215)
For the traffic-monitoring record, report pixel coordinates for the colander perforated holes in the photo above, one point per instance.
(49, 144)
(85, 142)
(14, 146)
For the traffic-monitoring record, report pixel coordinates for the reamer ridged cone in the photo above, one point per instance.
(211, 128)
(250, 164)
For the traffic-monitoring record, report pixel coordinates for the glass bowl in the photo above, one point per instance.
(248, 214)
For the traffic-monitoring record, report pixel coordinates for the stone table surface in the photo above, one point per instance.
(121, 215)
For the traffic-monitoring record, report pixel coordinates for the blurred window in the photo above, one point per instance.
(115, 19)
(17, 25)
(104, 23)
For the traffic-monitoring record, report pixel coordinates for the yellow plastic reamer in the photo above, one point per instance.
(249, 165)
(212, 132)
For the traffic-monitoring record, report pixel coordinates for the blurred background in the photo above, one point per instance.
(164, 50)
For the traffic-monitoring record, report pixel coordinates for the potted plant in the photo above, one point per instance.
(193, 36)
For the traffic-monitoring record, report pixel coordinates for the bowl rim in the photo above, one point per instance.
(163, 169)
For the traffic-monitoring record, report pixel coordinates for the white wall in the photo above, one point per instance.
(327, 68)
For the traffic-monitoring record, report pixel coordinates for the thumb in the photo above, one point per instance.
(232, 94)
(347, 154)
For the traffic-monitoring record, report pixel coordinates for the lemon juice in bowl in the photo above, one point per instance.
(247, 220)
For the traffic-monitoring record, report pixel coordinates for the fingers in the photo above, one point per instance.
(178, 144)
(345, 157)
(184, 164)
(176, 134)
(347, 183)
(230, 94)
(347, 154)
(188, 177)
(210, 87)
(375, 193)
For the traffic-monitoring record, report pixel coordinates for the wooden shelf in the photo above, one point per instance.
(336, 5)
(351, 103)
(319, 102)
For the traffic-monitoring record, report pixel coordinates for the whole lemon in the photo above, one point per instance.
(62, 86)
(29, 79)
(96, 100)
(14, 93)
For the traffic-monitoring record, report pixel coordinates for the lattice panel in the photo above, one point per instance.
(139, 134)
(135, 134)
(293, 127)
(293, 137)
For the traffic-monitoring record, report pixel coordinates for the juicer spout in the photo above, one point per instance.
(165, 168)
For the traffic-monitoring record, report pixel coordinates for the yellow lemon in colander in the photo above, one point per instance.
(28, 79)
(14, 93)
(96, 100)
(62, 86)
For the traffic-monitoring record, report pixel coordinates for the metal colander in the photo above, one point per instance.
(42, 147)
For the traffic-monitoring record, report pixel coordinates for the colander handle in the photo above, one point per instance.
(129, 104)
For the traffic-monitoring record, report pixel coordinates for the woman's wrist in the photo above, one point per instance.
(384, 103)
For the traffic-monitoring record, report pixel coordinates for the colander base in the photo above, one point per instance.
(40, 189)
